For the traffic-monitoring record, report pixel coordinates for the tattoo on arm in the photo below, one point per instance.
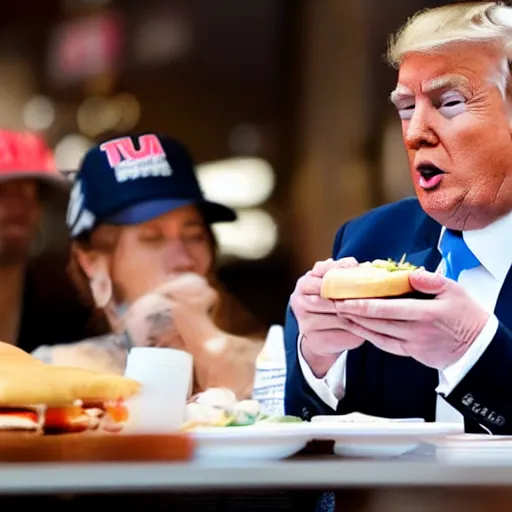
(159, 323)
(121, 340)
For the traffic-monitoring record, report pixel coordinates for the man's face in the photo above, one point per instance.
(148, 254)
(457, 134)
(20, 212)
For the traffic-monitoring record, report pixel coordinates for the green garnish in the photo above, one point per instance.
(393, 266)
(283, 419)
(244, 421)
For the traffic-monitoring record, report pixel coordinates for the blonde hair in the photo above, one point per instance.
(430, 30)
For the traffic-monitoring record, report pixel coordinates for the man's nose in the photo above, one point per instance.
(419, 131)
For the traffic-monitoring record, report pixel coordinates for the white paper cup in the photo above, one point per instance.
(166, 378)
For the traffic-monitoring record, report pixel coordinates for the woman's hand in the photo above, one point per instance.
(177, 314)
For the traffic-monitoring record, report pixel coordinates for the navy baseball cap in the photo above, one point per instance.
(133, 179)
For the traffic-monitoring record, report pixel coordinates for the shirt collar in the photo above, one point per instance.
(492, 246)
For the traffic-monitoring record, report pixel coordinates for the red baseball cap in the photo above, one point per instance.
(25, 155)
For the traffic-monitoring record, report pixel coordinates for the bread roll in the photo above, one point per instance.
(10, 353)
(91, 387)
(368, 280)
(25, 380)
(109, 387)
(28, 384)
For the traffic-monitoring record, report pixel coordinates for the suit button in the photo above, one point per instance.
(306, 415)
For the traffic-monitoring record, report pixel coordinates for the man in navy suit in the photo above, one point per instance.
(448, 358)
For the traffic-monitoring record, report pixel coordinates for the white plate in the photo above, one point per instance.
(473, 442)
(379, 439)
(475, 448)
(362, 418)
(258, 442)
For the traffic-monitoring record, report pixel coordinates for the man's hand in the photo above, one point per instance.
(435, 332)
(324, 335)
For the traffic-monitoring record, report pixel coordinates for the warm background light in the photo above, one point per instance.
(237, 182)
(253, 236)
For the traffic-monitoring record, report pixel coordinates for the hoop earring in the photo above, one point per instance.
(101, 289)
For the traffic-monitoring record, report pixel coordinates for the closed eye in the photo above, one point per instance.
(452, 104)
(406, 112)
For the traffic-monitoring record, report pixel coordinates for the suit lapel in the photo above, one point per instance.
(426, 254)
(504, 303)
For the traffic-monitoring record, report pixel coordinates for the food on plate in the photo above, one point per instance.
(25, 394)
(219, 407)
(99, 401)
(280, 419)
(378, 278)
(43, 398)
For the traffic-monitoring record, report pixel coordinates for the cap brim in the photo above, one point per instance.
(149, 210)
(56, 187)
(52, 178)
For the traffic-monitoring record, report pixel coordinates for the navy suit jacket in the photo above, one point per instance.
(391, 386)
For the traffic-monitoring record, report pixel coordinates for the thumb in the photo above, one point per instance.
(428, 282)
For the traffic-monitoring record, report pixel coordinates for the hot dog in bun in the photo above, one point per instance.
(379, 278)
(43, 398)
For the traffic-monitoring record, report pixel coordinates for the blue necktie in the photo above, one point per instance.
(456, 254)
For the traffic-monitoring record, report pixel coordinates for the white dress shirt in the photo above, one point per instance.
(492, 246)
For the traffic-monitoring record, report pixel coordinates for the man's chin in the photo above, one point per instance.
(455, 213)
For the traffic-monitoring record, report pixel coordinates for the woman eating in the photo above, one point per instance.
(143, 254)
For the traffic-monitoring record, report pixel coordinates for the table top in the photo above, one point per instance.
(320, 472)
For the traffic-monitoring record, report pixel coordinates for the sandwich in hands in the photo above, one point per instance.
(42, 398)
(378, 278)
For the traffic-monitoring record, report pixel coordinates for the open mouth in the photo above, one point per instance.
(429, 176)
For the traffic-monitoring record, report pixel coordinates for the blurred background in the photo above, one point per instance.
(283, 104)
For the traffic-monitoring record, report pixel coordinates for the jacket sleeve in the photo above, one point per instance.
(300, 399)
(484, 395)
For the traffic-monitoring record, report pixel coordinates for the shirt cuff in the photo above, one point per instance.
(450, 377)
(331, 387)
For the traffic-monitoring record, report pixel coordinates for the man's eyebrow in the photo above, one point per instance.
(435, 84)
(445, 82)
(399, 93)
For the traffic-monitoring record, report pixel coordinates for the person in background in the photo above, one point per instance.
(36, 298)
(143, 253)
(447, 358)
